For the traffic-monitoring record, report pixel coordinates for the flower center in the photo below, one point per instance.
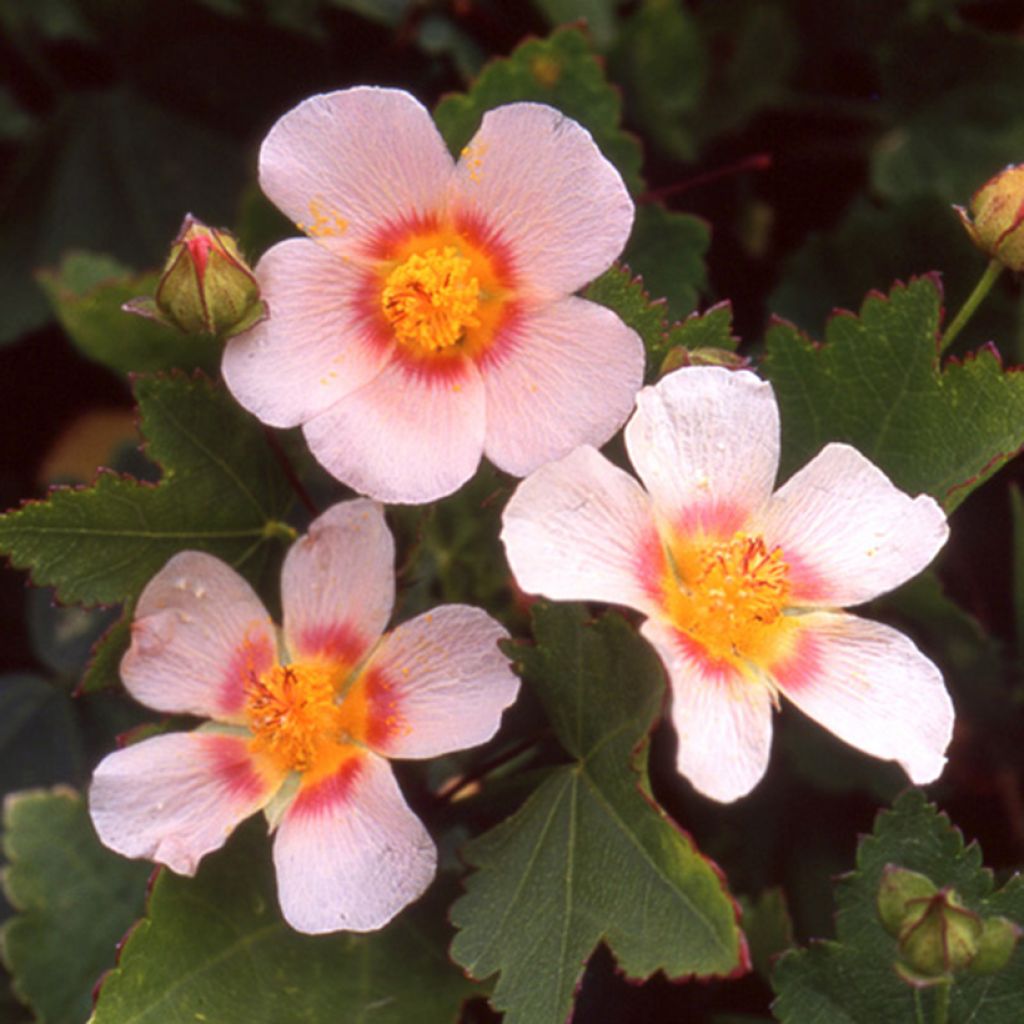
(728, 595)
(293, 715)
(431, 298)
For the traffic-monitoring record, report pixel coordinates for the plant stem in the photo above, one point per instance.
(289, 471)
(942, 991)
(918, 1008)
(974, 300)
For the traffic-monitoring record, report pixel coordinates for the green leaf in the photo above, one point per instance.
(222, 491)
(590, 857)
(768, 927)
(103, 669)
(599, 16)
(214, 948)
(617, 289)
(76, 900)
(87, 292)
(667, 250)
(877, 383)
(561, 71)
(852, 980)
(663, 64)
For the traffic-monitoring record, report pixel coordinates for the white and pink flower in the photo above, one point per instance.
(428, 317)
(741, 585)
(302, 720)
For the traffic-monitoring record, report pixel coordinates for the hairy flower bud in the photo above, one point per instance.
(206, 286)
(996, 218)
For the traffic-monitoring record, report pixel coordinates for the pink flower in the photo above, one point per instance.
(741, 586)
(302, 721)
(429, 318)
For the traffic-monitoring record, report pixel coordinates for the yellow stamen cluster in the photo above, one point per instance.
(292, 713)
(729, 596)
(431, 298)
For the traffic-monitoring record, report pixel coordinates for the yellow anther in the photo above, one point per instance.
(431, 298)
(728, 595)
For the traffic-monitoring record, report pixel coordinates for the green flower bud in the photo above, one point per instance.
(681, 356)
(206, 286)
(998, 941)
(996, 218)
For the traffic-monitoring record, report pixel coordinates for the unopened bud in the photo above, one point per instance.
(996, 218)
(998, 941)
(682, 356)
(206, 286)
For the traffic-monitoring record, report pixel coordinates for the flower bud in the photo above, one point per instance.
(680, 356)
(996, 219)
(998, 941)
(206, 286)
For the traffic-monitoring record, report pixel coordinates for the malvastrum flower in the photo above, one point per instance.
(428, 317)
(303, 721)
(740, 585)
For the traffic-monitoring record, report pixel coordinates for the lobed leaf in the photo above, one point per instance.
(590, 856)
(214, 948)
(877, 383)
(221, 492)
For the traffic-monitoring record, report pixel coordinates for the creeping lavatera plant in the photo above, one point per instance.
(302, 720)
(741, 585)
(428, 317)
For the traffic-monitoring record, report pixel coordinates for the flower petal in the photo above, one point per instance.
(338, 583)
(871, 686)
(538, 185)
(581, 529)
(705, 442)
(847, 533)
(318, 344)
(342, 165)
(199, 634)
(349, 853)
(174, 798)
(439, 683)
(722, 719)
(565, 375)
(406, 437)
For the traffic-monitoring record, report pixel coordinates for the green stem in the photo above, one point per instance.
(974, 300)
(942, 991)
(918, 1008)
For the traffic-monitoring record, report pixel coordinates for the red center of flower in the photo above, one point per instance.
(729, 596)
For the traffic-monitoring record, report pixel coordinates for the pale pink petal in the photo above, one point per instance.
(723, 720)
(407, 437)
(581, 529)
(871, 686)
(174, 798)
(349, 853)
(439, 683)
(537, 185)
(565, 375)
(344, 165)
(319, 342)
(705, 442)
(846, 532)
(200, 633)
(338, 583)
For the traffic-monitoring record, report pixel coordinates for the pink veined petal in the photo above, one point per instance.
(446, 682)
(341, 165)
(581, 529)
(199, 634)
(349, 853)
(537, 183)
(318, 344)
(723, 720)
(338, 583)
(566, 374)
(847, 533)
(871, 686)
(406, 437)
(705, 442)
(174, 798)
